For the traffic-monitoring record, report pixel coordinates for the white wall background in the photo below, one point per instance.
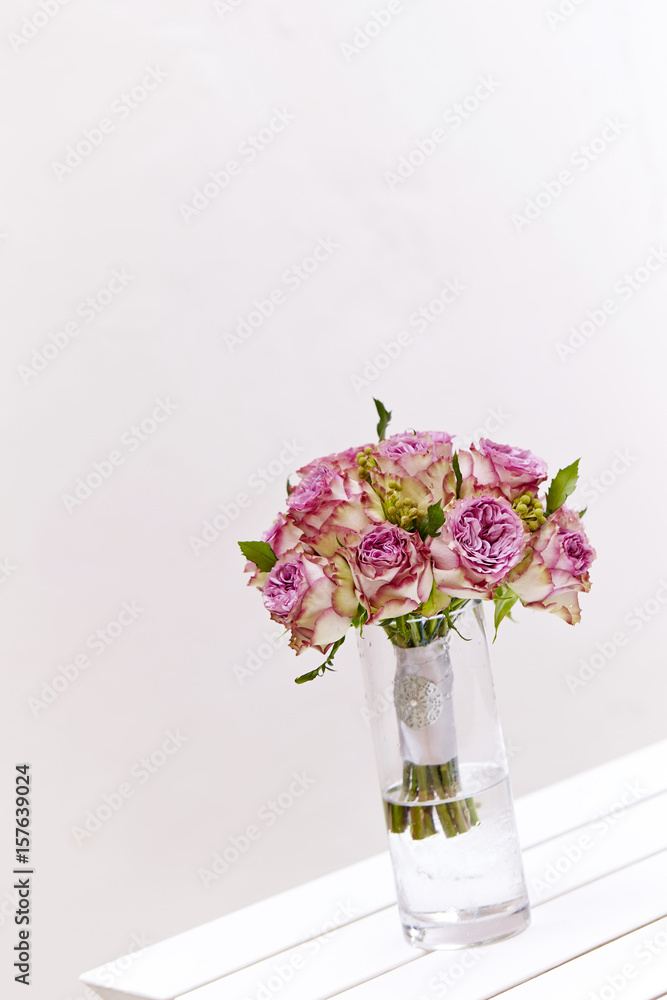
(489, 362)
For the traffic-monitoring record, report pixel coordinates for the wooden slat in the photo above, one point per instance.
(570, 803)
(634, 967)
(233, 942)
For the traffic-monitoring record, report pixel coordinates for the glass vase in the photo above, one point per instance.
(444, 779)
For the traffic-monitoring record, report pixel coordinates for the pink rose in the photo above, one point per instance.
(440, 437)
(482, 539)
(512, 471)
(341, 461)
(555, 569)
(391, 571)
(299, 593)
(421, 464)
(327, 507)
(319, 485)
(410, 453)
(282, 537)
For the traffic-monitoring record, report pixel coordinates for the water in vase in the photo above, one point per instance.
(459, 872)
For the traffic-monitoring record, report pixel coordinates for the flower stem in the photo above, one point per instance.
(446, 821)
(474, 818)
(429, 825)
(458, 817)
(437, 781)
(425, 787)
(398, 818)
(421, 822)
(417, 823)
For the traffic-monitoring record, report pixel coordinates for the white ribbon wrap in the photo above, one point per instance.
(423, 688)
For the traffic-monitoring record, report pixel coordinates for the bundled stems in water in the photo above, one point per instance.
(422, 784)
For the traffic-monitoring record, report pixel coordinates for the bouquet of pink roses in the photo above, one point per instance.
(403, 534)
(411, 528)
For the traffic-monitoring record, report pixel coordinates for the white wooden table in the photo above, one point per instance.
(595, 852)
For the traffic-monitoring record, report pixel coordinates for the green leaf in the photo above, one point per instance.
(457, 473)
(562, 485)
(504, 600)
(311, 675)
(361, 617)
(435, 603)
(582, 512)
(259, 553)
(319, 671)
(385, 416)
(432, 520)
